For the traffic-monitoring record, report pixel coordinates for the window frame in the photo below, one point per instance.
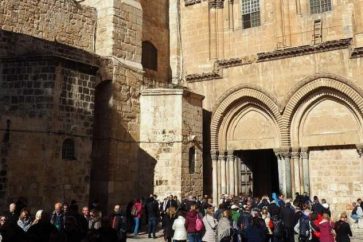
(250, 13)
(68, 149)
(318, 4)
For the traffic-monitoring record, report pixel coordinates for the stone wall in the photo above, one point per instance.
(192, 114)
(43, 102)
(156, 30)
(336, 175)
(167, 138)
(63, 21)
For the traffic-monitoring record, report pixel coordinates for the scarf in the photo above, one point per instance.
(224, 229)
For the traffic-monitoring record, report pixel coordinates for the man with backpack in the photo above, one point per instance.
(303, 227)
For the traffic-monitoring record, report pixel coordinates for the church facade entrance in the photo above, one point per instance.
(309, 141)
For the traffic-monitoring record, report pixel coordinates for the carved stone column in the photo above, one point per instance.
(304, 157)
(231, 176)
(223, 175)
(295, 166)
(219, 175)
(284, 169)
(237, 173)
(214, 155)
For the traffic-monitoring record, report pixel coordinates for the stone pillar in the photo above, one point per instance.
(237, 173)
(282, 172)
(231, 158)
(295, 166)
(284, 169)
(214, 155)
(175, 45)
(304, 157)
(219, 175)
(223, 175)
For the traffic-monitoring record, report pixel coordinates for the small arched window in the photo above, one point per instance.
(192, 160)
(68, 151)
(149, 56)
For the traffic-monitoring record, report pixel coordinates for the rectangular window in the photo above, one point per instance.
(320, 6)
(250, 13)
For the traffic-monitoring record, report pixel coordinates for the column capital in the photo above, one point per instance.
(304, 153)
(282, 153)
(230, 154)
(214, 154)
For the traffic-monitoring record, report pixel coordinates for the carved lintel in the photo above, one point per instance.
(357, 53)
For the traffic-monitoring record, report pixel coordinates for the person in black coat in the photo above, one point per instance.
(42, 230)
(287, 215)
(342, 229)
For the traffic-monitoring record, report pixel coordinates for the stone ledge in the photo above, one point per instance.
(304, 50)
(219, 65)
(191, 2)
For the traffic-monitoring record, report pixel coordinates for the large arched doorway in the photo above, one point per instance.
(246, 129)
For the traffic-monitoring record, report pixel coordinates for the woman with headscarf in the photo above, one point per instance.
(224, 227)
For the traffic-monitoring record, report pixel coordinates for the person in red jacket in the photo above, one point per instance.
(190, 224)
(136, 212)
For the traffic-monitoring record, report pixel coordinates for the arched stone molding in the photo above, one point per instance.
(317, 87)
(235, 100)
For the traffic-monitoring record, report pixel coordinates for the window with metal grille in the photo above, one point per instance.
(192, 160)
(68, 152)
(320, 6)
(250, 13)
(149, 57)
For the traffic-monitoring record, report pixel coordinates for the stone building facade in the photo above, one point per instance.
(282, 82)
(115, 99)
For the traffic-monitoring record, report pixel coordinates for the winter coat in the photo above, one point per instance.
(190, 221)
(180, 233)
(287, 215)
(326, 228)
(168, 226)
(210, 225)
(138, 207)
(343, 231)
(24, 224)
(255, 233)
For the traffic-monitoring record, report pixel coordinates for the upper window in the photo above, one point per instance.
(320, 6)
(250, 13)
(149, 56)
(68, 150)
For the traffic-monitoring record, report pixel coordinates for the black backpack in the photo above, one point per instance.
(304, 228)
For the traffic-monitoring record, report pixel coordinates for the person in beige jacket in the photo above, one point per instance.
(210, 225)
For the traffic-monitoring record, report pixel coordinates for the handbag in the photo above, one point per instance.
(199, 224)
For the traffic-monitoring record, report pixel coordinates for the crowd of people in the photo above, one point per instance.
(235, 219)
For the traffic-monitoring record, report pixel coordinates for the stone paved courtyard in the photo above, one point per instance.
(357, 236)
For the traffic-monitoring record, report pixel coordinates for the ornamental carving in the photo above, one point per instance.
(191, 2)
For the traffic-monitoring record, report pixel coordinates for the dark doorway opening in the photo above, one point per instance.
(263, 165)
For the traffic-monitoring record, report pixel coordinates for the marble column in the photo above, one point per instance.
(295, 160)
(282, 172)
(219, 175)
(304, 157)
(231, 158)
(284, 169)
(236, 175)
(223, 175)
(214, 156)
